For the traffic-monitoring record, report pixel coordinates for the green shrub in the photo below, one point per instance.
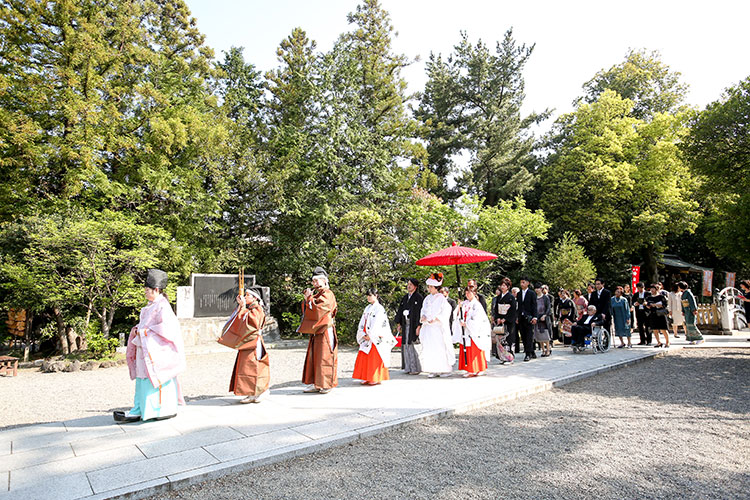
(100, 347)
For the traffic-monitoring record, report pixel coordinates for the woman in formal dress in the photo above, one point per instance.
(620, 307)
(674, 302)
(689, 308)
(471, 329)
(375, 343)
(504, 314)
(656, 307)
(581, 304)
(566, 316)
(543, 326)
(438, 355)
(155, 356)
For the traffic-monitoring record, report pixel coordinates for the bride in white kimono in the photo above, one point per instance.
(471, 329)
(438, 355)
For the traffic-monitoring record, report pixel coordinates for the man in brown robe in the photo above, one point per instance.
(318, 313)
(251, 374)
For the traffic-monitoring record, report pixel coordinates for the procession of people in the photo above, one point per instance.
(429, 327)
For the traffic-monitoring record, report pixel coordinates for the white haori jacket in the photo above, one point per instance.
(438, 355)
(374, 322)
(477, 327)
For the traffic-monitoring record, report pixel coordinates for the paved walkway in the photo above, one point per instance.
(95, 458)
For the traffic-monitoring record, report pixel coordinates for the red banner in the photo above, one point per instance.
(708, 278)
(731, 277)
(635, 275)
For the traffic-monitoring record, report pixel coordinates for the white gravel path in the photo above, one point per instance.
(671, 428)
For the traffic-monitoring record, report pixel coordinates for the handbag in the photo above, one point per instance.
(498, 330)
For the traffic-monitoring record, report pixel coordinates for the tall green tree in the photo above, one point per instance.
(718, 149)
(339, 137)
(371, 132)
(645, 80)
(472, 104)
(567, 265)
(618, 183)
(240, 89)
(108, 105)
(300, 198)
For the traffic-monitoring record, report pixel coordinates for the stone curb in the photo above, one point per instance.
(184, 479)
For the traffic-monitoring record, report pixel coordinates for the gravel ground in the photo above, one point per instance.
(35, 397)
(676, 427)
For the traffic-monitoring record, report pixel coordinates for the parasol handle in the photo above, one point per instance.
(463, 329)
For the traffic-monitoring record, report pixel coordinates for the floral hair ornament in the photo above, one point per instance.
(435, 279)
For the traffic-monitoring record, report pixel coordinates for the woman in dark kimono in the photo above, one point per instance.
(689, 308)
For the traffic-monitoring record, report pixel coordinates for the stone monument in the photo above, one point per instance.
(205, 305)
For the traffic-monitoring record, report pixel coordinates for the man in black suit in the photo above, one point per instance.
(639, 303)
(602, 299)
(407, 324)
(527, 318)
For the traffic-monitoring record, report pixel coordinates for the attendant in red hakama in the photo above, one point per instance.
(471, 329)
(374, 331)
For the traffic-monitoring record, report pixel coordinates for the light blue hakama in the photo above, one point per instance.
(149, 403)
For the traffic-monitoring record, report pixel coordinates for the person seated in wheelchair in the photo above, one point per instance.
(583, 327)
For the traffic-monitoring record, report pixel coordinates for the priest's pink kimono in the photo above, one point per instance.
(155, 357)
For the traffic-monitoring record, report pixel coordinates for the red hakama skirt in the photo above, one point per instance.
(476, 362)
(369, 367)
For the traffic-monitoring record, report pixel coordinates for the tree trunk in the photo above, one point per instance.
(108, 316)
(27, 335)
(72, 338)
(106, 325)
(649, 273)
(110, 319)
(88, 314)
(62, 334)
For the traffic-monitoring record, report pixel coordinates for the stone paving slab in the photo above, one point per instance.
(94, 458)
(149, 469)
(199, 438)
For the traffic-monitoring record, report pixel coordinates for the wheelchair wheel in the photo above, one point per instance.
(604, 340)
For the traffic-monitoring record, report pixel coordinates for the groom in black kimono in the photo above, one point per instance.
(407, 325)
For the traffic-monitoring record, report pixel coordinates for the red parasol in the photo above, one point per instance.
(455, 255)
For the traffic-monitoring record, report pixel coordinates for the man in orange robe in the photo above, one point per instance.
(318, 320)
(251, 374)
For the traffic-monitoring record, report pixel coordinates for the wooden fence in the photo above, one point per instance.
(708, 316)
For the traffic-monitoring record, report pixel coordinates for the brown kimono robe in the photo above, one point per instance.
(321, 362)
(251, 374)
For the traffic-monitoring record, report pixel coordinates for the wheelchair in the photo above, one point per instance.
(600, 340)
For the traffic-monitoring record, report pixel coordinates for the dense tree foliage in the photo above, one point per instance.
(643, 79)
(472, 104)
(618, 183)
(124, 144)
(718, 148)
(567, 265)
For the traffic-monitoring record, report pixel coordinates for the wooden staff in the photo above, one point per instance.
(242, 282)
